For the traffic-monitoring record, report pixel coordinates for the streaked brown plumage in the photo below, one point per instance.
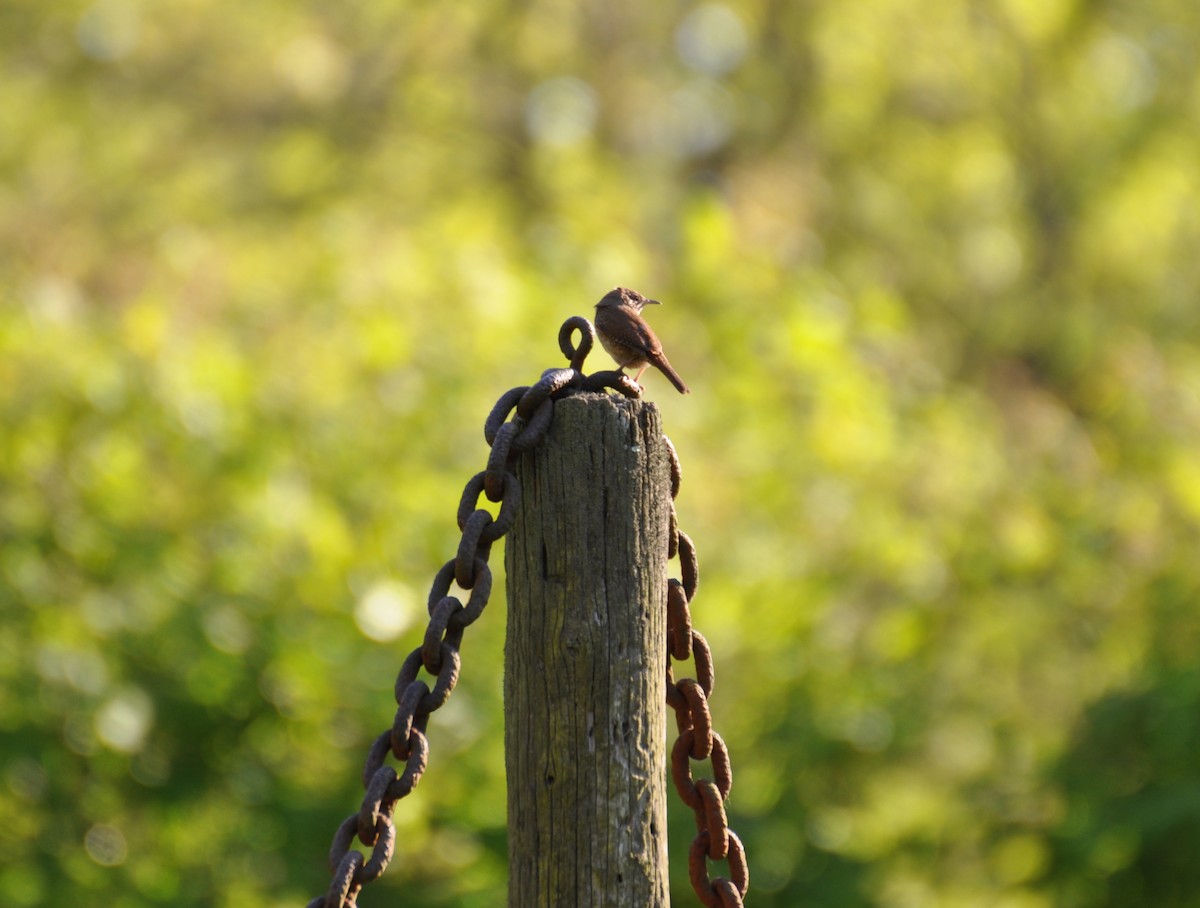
(627, 337)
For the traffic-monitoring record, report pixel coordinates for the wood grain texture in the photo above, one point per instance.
(585, 658)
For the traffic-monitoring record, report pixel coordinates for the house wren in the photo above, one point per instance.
(627, 337)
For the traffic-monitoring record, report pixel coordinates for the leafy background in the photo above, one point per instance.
(930, 270)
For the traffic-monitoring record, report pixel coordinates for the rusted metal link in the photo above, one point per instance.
(615, 381)
(382, 841)
(721, 892)
(728, 895)
(381, 853)
(689, 566)
(531, 431)
(342, 890)
(739, 870)
(407, 716)
(681, 772)
(713, 820)
(438, 631)
(676, 469)
(535, 430)
(551, 382)
(509, 496)
(472, 548)
(446, 678)
(499, 414)
(679, 621)
(677, 700)
(698, 872)
(701, 718)
(722, 770)
(342, 840)
(478, 599)
(495, 475)
(375, 805)
(414, 766)
(560, 382)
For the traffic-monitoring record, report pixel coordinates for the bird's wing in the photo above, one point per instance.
(646, 339)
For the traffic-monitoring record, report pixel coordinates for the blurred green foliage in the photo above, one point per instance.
(930, 270)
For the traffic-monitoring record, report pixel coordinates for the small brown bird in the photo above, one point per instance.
(627, 337)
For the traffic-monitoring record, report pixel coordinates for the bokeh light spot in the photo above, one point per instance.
(561, 111)
(228, 630)
(711, 39)
(385, 611)
(106, 845)
(108, 30)
(124, 720)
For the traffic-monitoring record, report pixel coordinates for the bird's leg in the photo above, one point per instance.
(638, 378)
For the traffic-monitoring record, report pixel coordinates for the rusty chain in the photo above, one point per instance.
(531, 409)
(697, 740)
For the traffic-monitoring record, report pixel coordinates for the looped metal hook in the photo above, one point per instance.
(587, 340)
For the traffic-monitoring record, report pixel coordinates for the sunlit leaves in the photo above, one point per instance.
(929, 268)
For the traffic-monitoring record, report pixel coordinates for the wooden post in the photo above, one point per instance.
(584, 662)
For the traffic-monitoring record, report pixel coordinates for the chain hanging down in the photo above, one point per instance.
(697, 740)
(438, 654)
(531, 410)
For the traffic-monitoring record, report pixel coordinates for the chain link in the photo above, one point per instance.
(517, 423)
(697, 740)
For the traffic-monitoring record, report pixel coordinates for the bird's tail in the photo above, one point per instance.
(665, 368)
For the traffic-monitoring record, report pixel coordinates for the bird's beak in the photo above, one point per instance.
(651, 303)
